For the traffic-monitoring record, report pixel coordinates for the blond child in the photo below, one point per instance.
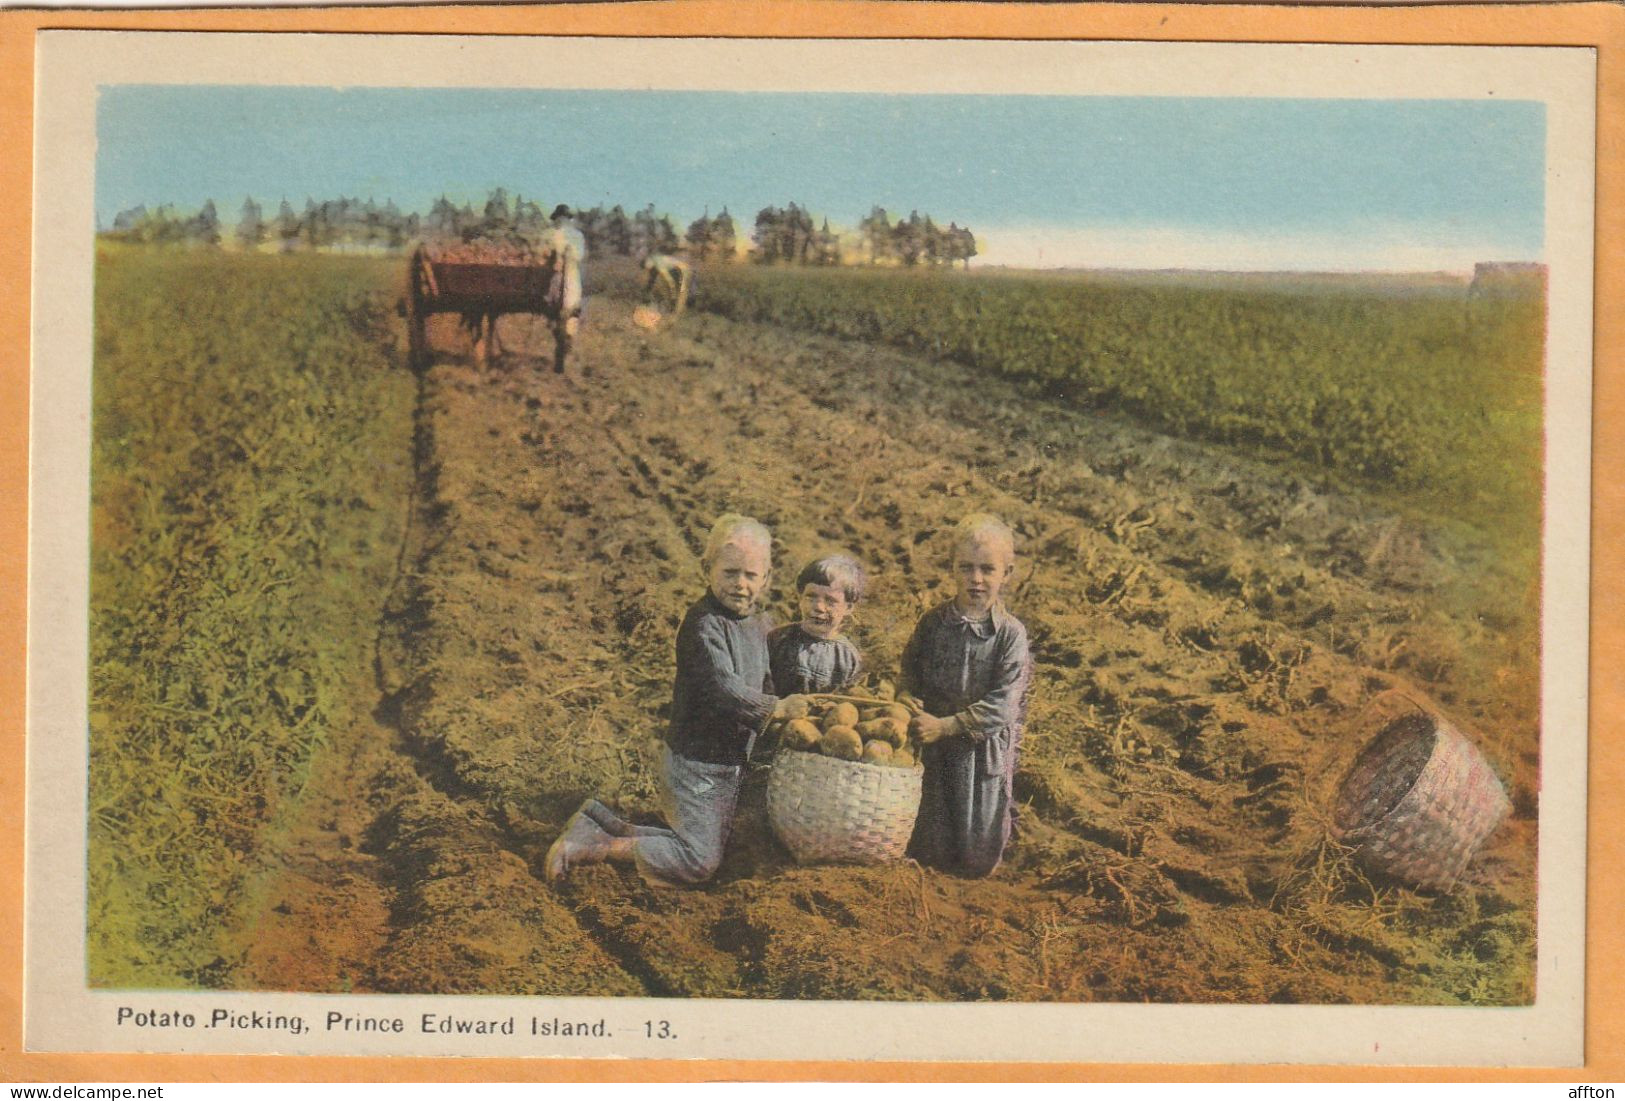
(968, 664)
(813, 655)
(720, 701)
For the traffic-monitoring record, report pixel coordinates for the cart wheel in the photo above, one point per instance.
(481, 348)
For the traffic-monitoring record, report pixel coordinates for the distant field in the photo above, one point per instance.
(1404, 383)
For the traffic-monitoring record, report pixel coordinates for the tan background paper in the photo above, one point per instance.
(64, 820)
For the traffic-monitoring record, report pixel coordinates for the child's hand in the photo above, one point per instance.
(927, 728)
(791, 707)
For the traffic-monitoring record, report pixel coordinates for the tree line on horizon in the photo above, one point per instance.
(784, 235)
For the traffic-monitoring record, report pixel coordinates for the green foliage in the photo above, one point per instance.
(243, 410)
(1403, 386)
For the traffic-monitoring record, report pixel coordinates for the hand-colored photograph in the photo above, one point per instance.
(816, 546)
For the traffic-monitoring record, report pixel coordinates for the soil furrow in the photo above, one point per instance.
(1184, 730)
(468, 913)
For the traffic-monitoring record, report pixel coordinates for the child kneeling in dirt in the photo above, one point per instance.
(719, 703)
(813, 655)
(968, 665)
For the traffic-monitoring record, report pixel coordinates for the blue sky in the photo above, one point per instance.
(1042, 179)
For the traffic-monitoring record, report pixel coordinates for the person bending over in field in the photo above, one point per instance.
(719, 704)
(813, 655)
(669, 279)
(968, 665)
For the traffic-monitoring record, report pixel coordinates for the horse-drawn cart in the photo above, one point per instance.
(484, 279)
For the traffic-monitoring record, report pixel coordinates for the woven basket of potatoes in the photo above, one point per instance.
(845, 785)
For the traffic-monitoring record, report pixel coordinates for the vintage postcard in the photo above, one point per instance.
(751, 549)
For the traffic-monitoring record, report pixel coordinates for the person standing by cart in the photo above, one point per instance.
(567, 249)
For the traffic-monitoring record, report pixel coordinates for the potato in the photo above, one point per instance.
(902, 758)
(876, 752)
(899, 712)
(802, 734)
(885, 690)
(874, 728)
(859, 691)
(895, 731)
(798, 709)
(842, 714)
(843, 742)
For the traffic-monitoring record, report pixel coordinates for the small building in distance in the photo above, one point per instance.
(1507, 279)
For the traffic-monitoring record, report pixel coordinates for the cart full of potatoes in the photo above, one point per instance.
(483, 279)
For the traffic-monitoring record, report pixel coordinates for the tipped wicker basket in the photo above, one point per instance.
(1418, 802)
(826, 810)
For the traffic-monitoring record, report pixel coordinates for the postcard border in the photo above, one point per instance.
(1568, 25)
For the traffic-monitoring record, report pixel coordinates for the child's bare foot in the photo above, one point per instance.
(582, 842)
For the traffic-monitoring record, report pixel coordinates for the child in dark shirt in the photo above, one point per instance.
(813, 655)
(968, 664)
(721, 700)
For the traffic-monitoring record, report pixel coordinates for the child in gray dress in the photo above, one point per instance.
(968, 664)
(813, 655)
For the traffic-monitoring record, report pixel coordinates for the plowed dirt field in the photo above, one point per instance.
(1215, 637)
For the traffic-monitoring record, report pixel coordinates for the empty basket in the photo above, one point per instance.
(826, 810)
(1418, 802)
